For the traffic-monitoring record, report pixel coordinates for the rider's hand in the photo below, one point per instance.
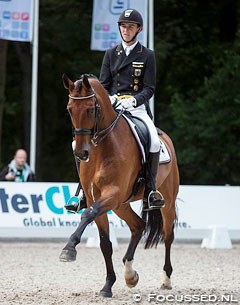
(113, 98)
(129, 102)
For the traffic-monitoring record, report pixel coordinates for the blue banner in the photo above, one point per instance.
(16, 22)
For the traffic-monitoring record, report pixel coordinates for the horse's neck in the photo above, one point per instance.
(107, 114)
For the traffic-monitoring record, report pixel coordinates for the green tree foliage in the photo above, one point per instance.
(209, 131)
(197, 96)
(197, 87)
(3, 54)
(16, 114)
(64, 47)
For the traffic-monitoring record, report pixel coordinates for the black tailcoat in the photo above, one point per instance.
(134, 74)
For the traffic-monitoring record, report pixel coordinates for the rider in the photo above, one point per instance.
(128, 73)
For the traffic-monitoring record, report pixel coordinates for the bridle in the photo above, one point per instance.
(87, 131)
(96, 136)
(81, 97)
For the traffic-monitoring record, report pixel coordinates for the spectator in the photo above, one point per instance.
(18, 170)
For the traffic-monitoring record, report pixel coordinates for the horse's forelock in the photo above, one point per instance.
(78, 85)
(95, 84)
(88, 76)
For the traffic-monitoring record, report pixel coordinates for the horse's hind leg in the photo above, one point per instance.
(106, 247)
(168, 237)
(136, 225)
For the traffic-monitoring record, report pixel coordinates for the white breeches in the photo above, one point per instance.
(141, 113)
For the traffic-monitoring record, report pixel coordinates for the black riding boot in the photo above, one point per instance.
(75, 203)
(153, 199)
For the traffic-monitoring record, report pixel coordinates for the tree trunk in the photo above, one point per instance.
(3, 60)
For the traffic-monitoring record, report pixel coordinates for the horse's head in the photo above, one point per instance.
(83, 108)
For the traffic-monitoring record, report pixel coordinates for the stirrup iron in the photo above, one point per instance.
(154, 203)
(73, 205)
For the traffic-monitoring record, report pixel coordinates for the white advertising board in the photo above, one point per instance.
(37, 209)
(39, 205)
(202, 206)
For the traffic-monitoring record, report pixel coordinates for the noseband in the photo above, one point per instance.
(87, 131)
(96, 135)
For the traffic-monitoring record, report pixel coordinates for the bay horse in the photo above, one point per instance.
(110, 164)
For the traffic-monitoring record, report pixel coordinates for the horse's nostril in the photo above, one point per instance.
(85, 155)
(82, 155)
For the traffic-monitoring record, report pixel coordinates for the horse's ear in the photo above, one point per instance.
(67, 83)
(86, 82)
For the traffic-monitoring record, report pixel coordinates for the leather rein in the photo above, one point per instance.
(96, 136)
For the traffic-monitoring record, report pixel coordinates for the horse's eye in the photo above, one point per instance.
(90, 111)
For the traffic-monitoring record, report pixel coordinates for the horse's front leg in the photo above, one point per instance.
(69, 252)
(106, 248)
(136, 225)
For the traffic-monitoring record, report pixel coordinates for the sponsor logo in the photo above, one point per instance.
(21, 203)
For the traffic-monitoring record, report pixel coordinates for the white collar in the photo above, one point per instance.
(131, 47)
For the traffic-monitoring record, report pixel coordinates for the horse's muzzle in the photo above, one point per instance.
(83, 155)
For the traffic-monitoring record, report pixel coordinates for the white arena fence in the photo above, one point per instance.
(35, 210)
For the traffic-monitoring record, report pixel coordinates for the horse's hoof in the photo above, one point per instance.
(166, 287)
(105, 294)
(68, 255)
(132, 281)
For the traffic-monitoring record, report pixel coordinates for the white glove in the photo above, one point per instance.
(113, 98)
(128, 102)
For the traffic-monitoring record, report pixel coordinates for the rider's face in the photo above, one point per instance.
(128, 31)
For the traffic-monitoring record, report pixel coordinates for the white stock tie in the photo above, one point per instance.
(127, 51)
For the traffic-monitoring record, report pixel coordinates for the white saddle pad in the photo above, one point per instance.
(164, 154)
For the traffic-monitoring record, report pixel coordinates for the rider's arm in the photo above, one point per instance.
(149, 80)
(105, 77)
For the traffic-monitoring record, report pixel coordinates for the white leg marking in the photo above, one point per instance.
(166, 281)
(131, 276)
(129, 272)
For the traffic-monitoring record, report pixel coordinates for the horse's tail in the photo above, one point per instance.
(153, 228)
